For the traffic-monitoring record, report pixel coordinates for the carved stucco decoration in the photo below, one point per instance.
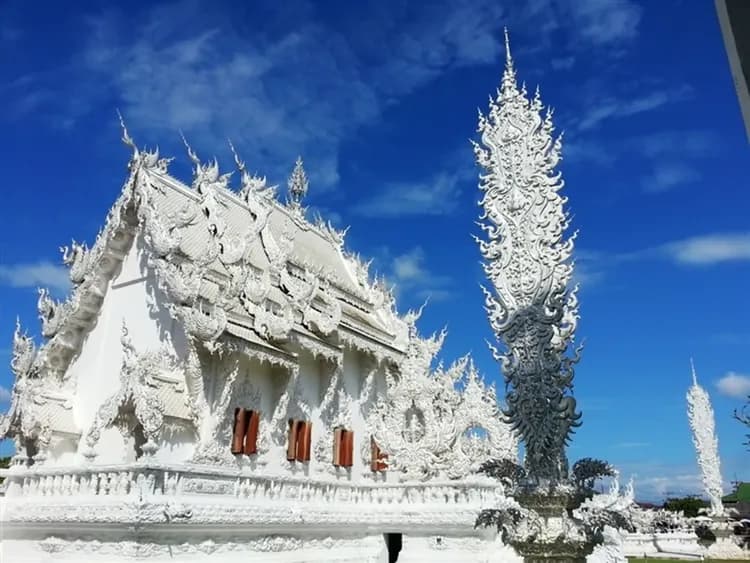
(422, 420)
(215, 431)
(527, 260)
(27, 421)
(703, 426)
(137, 388)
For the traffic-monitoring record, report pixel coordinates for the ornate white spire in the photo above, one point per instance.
(298, 184)
(528, 261)
(701, 417)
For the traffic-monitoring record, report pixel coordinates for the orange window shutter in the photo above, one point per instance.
(383, 462)
(238, 432)
(303, 441)
(348, 447)
(251, 436)
(291, 447)
(337, 446)
(376, 456)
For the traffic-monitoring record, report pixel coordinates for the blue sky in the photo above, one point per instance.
(380, 99)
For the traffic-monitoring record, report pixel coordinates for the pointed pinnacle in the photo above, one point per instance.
(508, 58)
(692, 369)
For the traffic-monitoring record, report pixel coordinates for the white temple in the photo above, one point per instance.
(226, 380)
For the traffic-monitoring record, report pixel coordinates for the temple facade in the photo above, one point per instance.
(226, 380)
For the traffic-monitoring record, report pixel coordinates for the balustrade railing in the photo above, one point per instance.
(141, 480)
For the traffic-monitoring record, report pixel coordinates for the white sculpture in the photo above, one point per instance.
(703, 426)
(527, 259)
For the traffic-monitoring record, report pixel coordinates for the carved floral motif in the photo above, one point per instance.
(138, 389)
(422, 420)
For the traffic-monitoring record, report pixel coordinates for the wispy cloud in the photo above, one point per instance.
(620, 107)
(437, 195)
(734, 385)
(659, 487)
(605, 22)
(39, 274)
(297, 87)
(592, 267)
(631, 445)
(709, 249)
(409, 273)
(667, 176)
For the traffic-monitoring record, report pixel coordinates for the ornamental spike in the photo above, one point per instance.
(298, 184)
(703, 426)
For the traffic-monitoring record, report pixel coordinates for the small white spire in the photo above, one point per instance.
(126, 138)
(508, 58)
(298, 183)
(692, 369)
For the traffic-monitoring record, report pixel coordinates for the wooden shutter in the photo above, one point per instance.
(337, 446)
(378, 460)
(291, 447)
(238, 431)
(347, 447)
(303, 440)
(251, 435)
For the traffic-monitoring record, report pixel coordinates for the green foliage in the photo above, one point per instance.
(587, 471)
(508, 473)
(4, 464)
(689, 505)
(743, 416)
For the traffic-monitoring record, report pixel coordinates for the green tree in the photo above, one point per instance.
(689, 505)
(4, 464)
(743, 416)
(587, 471)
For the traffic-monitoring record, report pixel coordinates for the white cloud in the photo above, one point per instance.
(292, 85)
(706, 250)
(709, 249)
(660, 487)
(690, 143)
(734, 385)
(620, 107)
(666, 176)
(438, 195)
(39, 274)
(298, 87)
(409, 273)
(5, 394)
(605, 22)
(629, 445)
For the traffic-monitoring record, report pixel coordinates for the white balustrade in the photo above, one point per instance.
(149, 479)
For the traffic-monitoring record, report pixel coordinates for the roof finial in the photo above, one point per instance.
(508, 58)
(126, 138)
(692, 369)
(298, 183)
(509, 87)
(240, 164)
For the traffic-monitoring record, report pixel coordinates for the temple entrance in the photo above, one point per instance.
(393, 542)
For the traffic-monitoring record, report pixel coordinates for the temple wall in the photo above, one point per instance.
(96, 369)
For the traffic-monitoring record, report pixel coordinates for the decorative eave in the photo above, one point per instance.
(66, 323)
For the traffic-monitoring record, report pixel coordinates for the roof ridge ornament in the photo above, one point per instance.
(251, 183)
(298, 186)
(147, 159)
